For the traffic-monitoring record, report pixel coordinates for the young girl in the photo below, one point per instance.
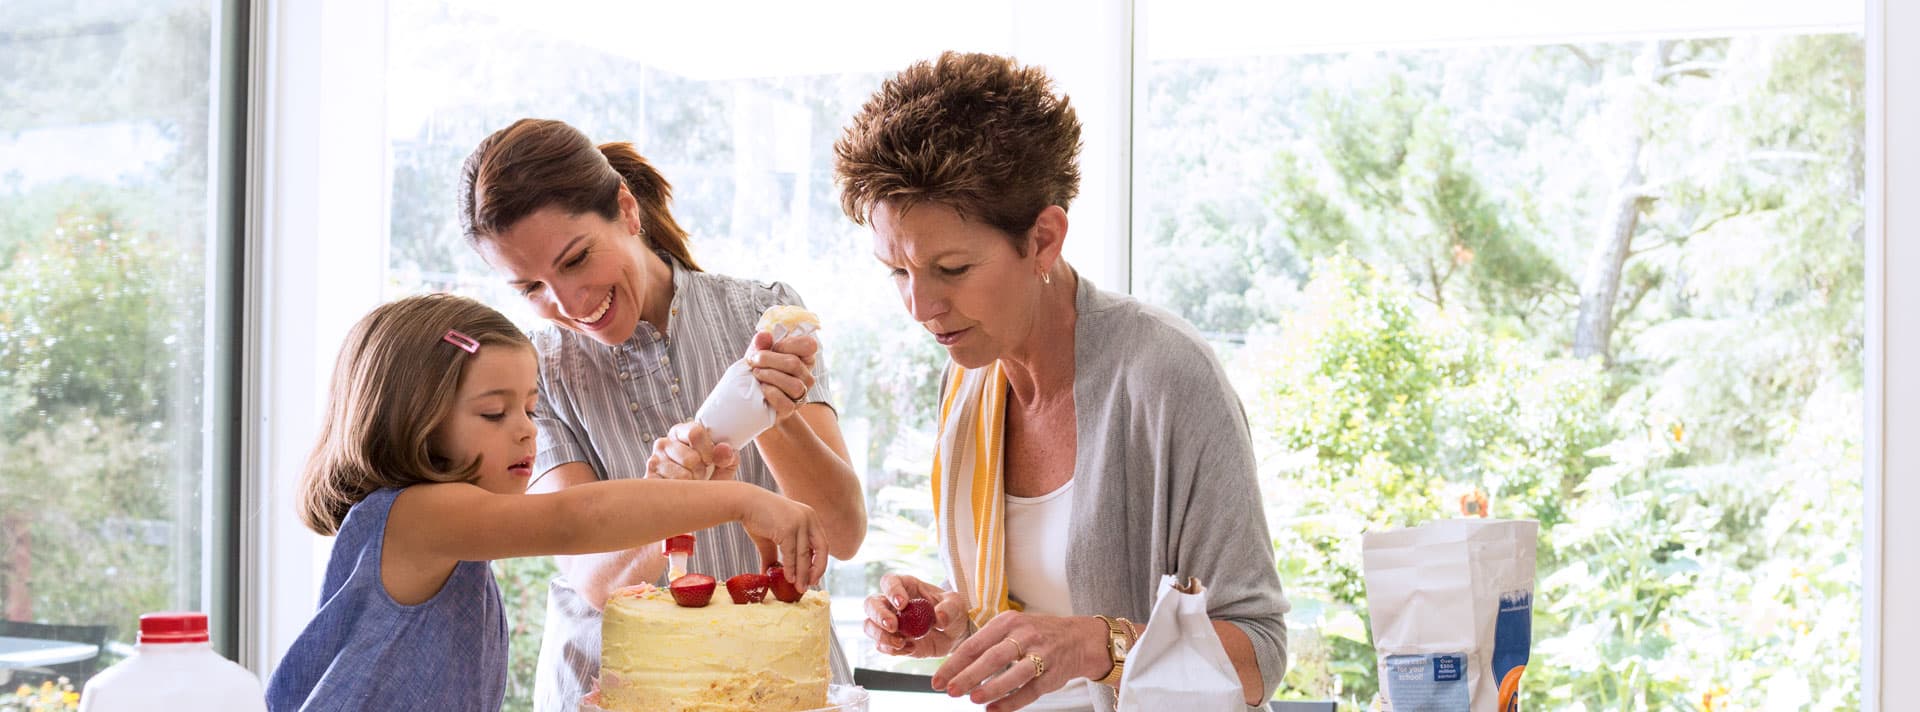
(420, 474)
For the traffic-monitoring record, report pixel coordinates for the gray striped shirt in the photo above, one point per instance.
(605, 405)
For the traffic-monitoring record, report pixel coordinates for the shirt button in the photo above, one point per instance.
(675, 388)
(633, 407)
(623, 375)
(664, 360)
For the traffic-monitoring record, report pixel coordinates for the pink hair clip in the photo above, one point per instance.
(465, 342)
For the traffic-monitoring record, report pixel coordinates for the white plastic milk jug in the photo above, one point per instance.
(174, 669)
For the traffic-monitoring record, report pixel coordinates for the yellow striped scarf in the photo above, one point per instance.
(969, 488)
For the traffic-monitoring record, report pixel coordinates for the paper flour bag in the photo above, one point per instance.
(1178, 663)
(1452, 607)
(736, 411)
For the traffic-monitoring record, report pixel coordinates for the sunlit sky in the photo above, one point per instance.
(92, 152)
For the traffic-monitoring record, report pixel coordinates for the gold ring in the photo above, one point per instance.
(1019, 651)
(1039, 666)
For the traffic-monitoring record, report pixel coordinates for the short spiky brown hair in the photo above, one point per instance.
(974, 132)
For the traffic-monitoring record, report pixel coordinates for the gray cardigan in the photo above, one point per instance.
(1165, 476)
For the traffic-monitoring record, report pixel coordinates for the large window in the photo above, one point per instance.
(112, 494)
(1615, 285)
(1602, 265)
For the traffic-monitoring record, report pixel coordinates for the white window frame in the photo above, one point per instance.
(1087, 47)
(1891, 581)
(320, 181)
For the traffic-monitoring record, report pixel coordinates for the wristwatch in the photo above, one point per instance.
(1119, 641)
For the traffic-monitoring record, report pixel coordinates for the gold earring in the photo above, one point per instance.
(1046, 278)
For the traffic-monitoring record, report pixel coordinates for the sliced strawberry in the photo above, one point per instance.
(681, 544)
(747, 588)
(916, 618)
(692, 590)
(783, 589)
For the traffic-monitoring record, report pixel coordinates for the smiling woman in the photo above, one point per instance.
(562, 220)
(639, 335)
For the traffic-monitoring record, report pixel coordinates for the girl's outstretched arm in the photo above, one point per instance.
(596, 576)
(433, 527)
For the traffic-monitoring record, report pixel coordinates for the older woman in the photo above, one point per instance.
(1088, 443)
(638, 337)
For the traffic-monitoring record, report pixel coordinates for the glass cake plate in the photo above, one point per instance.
(840, 698)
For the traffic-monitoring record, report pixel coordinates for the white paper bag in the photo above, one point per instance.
(1179, 663)
(736, 412)
(1452, 608)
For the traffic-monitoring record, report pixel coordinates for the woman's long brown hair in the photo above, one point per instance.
(534, 164)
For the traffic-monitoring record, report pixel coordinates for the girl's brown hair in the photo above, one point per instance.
(538, 163)
(393, 384)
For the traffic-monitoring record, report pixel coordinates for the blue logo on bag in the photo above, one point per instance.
(1446, 668)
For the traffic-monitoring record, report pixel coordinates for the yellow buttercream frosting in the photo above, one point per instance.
(786, 315)
(657, 655)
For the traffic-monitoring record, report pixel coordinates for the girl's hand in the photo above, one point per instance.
(784, 370)
(689, 453)
(883, 618)
(787, 527)
(997, 664)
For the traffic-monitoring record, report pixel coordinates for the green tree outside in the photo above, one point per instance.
(1615, 287)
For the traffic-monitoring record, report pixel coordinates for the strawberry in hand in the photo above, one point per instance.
(916, 619)
(782, 588)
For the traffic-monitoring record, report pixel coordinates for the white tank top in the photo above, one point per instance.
(1036, 558)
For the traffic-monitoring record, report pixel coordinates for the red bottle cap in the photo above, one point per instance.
(175, 627)
(680, 544)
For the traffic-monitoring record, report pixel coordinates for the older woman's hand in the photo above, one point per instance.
(689, 453)
(1018, 657)
(784, 369)
(883, 618)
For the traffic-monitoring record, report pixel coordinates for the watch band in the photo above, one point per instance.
(1119, 642)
